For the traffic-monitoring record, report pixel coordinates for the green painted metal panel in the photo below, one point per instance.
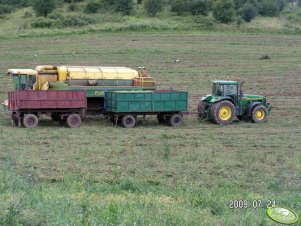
(146, 101)
(96, 91)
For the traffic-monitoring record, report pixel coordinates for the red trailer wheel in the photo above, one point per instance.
(30, 121)
(74, 121)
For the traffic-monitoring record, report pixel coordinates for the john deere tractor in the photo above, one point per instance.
(227, 101)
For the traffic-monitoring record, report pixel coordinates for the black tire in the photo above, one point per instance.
(74, 121)
(175, 120)
(201, 110)
(30, 121)
(128, 121)
(161, 119)
(222, 113)
(259, 114)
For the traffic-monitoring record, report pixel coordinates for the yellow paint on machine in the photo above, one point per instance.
(88, 72)
(77, 72)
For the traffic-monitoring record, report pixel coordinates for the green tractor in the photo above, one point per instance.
(227, 101)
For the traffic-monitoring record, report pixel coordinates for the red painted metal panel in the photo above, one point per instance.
(50, 99)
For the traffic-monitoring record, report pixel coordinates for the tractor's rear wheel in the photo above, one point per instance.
(222, 112)
(128, 121)
(259, 114)
(74, 121)
(30, 121)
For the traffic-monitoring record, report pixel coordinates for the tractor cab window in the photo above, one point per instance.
(230, 90)
(217, 90)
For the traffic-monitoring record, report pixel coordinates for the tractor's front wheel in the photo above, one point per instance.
(222, 112)
(259, 114)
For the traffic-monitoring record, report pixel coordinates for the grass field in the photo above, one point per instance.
(152, 174)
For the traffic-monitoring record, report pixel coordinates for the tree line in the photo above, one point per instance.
(223, 11)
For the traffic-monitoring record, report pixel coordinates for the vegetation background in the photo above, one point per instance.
(152, 174)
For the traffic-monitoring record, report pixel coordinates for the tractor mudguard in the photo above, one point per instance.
(218, 99)
(251, 106)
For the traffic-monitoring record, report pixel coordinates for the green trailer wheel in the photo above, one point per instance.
(128, 121)
(175, 120)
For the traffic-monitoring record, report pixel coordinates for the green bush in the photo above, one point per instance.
(239, 4)
(42, 22)
(5, 9)
(179, 7)
(92, 7)
(75, 21)
(223, 10)
(124, 6)
(247, 12)
(59, 21)
(72, 7)
(43, 8)
(199, 7)
(56, 15)
(269, 8)
(152, 7)
(206, 23)
(281, 4)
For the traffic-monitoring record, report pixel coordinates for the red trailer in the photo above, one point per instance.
(63, 106)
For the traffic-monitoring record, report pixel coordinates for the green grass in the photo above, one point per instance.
(152, 174)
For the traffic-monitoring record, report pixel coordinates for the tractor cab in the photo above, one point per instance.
(227, 101)
(23, 79)
(226, 89)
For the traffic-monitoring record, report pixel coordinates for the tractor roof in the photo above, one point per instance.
(22, 71)
(225, 82)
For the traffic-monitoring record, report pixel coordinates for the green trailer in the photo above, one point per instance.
(124, 106)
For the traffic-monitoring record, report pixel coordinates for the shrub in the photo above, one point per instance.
(25, 3)
(5, 9)
(281, 4)
(247, 12)
(27, 14)
(72, 7)
(223, 10)
(152, 7)
(92, 7)
(56, 15)
(206, 23)
(239, 4)
(60, 21)
(75, 21)
(41, 22)
(269, 8)
(199, 7)
(43, 8)
(179, 6)
(124, 6)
